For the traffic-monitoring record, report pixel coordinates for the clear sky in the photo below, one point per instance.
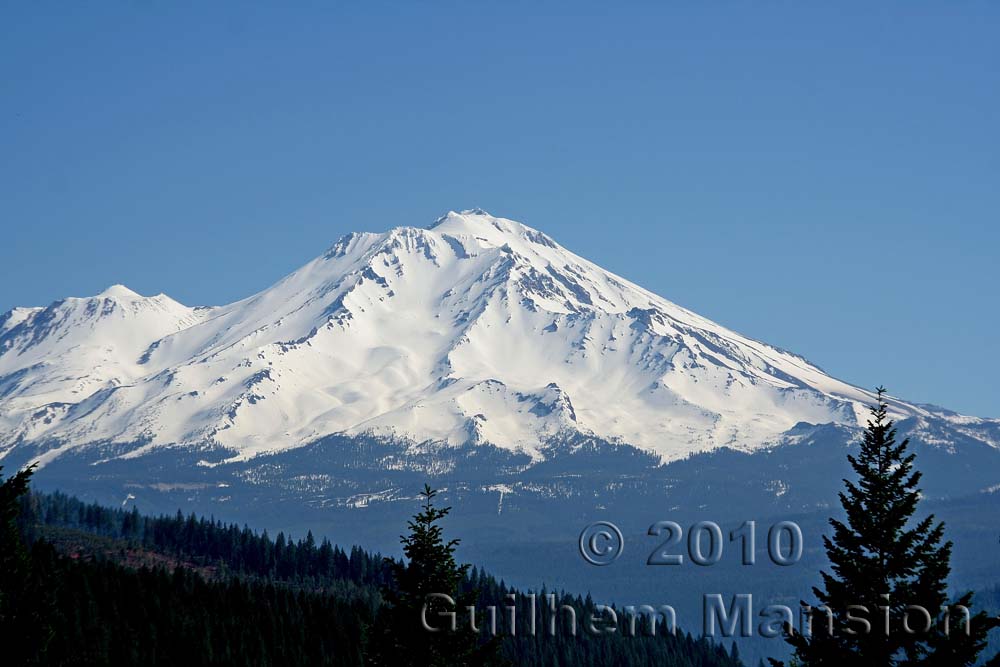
(824, 177)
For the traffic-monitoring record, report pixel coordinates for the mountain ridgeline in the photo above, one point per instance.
(477, 330)
(479, 354)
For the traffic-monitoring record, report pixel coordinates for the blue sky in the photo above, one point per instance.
(825, 178)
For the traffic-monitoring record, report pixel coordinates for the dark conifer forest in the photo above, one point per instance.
(84, 584)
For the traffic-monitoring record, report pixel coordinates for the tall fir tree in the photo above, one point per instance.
(429, 571)
(885, 569)
(25, 599)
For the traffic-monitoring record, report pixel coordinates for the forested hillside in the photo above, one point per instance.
(100, 585)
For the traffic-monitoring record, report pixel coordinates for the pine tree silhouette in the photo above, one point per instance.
(429, 571)
(24, 600)
(883, 568)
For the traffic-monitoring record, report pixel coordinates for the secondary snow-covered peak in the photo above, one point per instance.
(15, 316)
(79, 345)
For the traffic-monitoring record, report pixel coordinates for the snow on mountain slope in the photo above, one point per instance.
(54, 358)
(478, 329)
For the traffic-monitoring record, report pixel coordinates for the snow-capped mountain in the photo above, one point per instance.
(475, 330)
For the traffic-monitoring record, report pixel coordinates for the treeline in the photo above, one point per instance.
(209, 593)
(206, 542)
(102, 613)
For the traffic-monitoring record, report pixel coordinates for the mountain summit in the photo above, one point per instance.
(475, 330)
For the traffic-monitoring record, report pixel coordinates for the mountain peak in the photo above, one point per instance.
(480, 329)
(495, 231)
(119, 291)
(472, 216)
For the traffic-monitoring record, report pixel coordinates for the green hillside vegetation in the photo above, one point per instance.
(85, 584)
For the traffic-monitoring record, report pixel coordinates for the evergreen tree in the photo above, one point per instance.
(24, 600)
(430, 570)
(885, 569)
